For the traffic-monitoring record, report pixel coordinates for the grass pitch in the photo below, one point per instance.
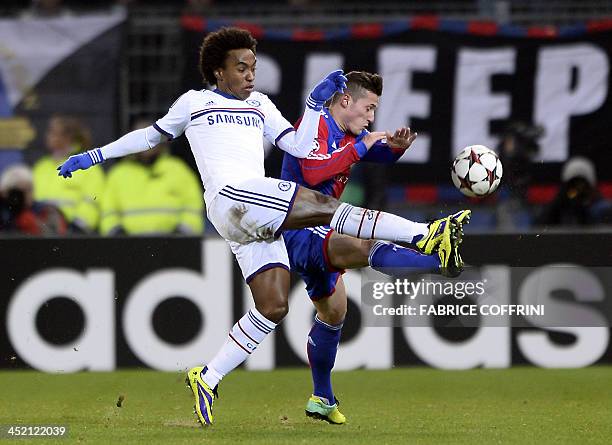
(413, 405)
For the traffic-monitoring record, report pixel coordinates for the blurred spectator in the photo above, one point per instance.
(46, 9)
(19, 213)
(578, 201)
(77, 198)
(152, 192)
(517, 147)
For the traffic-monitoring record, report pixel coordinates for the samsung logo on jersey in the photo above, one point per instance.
(227, 118)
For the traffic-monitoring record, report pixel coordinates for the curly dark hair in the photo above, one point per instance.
(215, 46)
(360, 81)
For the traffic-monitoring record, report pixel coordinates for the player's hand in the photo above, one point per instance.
(334, 82)
(82, 161)
(372, 138)
(401, 139)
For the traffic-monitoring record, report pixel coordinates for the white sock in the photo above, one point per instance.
(243, 339)
(374, 224)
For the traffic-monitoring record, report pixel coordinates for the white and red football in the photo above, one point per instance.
(477, 171)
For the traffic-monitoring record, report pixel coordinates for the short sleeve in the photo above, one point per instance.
(173, 124)
(275, 124)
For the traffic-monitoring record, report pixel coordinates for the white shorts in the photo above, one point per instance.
(258, 256)
(253, 210)
(249, 216)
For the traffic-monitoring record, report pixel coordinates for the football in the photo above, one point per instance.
(477, 171)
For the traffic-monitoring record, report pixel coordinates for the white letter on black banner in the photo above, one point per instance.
(557, 97)
(94, 349)
(475, 105)
(399, 101)
(591, 341)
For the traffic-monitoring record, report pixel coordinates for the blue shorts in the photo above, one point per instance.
(307, 249)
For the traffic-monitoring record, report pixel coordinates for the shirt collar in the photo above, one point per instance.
(224, 94)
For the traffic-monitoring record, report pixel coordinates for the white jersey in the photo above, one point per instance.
(225, 134)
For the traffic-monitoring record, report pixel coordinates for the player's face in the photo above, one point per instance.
(237, 77)
(360, 112)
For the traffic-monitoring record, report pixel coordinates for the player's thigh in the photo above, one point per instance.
(347, 252)
(332, 309)
(310, 208)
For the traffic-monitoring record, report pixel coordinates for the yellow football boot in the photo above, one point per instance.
(203, 394)
(451, 264)
(318, 409)
(430, 242)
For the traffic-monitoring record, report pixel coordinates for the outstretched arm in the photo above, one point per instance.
(169, 126)
(299, 142)
(393, 148)
(133, 142)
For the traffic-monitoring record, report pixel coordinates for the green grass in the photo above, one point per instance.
(418, 405)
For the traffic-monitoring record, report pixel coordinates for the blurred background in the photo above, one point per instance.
(529, 79)
(526, 78)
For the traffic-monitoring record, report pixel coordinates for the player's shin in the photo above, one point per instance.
(374, 224)
(322, 347)
(243, 339)
(395, 260)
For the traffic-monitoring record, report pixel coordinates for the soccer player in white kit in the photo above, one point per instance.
(225, 128)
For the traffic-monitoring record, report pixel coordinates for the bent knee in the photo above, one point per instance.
(337, 317)
(348, 253)
(332, 315)
(274, 311)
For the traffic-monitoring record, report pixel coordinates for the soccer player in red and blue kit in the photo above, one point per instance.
(320, 254)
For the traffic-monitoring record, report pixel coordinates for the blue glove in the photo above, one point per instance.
(81, 161)
(334, 82)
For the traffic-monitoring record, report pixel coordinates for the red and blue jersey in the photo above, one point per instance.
(328, 166)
